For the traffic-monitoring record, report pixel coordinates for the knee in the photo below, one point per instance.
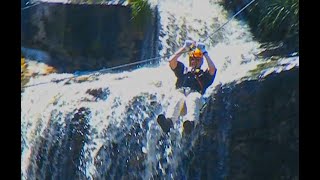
(181, 95)
(194, 96)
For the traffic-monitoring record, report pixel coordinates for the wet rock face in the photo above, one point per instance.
(82, 37)
(252, 129)
(264, 141)
(99, 93)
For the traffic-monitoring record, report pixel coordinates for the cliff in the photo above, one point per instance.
(88, 37)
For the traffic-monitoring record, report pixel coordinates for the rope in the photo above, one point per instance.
(137, 62)
(99, 71)
(228, 20)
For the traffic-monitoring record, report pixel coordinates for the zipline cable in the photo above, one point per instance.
(137, 62)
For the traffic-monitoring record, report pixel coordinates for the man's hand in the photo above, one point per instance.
(189, 45)
(202, 47)
(212, 67)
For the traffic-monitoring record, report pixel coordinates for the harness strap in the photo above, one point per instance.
(195, 75)
(200, 83)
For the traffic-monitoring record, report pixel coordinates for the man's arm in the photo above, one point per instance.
(212, 67)
(173, 61)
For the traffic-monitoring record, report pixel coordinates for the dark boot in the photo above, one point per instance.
(164, 123)
(188, 126)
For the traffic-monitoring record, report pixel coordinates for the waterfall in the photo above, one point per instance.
(104, 126)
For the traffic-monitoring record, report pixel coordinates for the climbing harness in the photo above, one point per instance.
(195, 76)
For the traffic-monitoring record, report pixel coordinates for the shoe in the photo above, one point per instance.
(165, 123)
(188, 126)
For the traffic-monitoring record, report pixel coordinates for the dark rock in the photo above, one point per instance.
(88, 36)
(252, 130)
(99, 93)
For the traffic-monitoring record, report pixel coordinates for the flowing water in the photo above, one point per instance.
(103, 126)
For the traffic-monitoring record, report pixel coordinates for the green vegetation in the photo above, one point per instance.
(275, 21)
(141, 12)
(139, 7)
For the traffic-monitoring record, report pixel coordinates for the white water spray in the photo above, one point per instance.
(128, 98)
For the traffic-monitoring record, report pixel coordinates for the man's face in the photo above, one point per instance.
(195, 62)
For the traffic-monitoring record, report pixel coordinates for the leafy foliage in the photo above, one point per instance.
(141, 11)
(271, 20)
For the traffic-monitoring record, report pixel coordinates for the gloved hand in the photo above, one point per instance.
(189, 45)
(202, 47)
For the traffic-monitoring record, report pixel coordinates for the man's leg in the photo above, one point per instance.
(176, 105)
(194, 104)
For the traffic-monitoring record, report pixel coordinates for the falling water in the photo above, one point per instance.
(103, 126)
